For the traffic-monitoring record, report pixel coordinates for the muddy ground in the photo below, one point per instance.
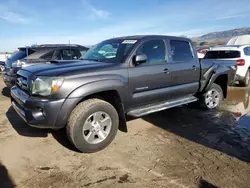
(181, 147)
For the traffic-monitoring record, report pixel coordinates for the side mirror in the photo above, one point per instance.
(142, 58)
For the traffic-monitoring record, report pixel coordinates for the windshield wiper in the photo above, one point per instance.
(97, 60)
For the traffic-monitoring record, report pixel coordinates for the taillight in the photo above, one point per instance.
(240, 62)
(202, 52)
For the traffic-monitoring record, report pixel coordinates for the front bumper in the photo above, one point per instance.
(9, 80)
(36, 112)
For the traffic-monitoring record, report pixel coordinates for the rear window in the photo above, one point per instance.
(222, 54)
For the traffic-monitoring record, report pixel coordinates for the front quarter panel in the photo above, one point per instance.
(100, 86)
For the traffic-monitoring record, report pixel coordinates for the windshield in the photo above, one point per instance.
(110, 51)
(222, 54)
(17, 56)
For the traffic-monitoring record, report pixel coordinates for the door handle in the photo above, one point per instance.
(166, 71)
(194, 67)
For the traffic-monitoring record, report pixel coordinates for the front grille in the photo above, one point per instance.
(22, 82)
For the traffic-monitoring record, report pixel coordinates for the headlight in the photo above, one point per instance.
(46, 86)
(18, 63)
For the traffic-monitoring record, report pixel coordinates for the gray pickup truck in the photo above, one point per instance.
(120, 77)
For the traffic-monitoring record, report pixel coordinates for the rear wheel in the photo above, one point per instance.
(92, 125)
(246, 81)
(213, 97)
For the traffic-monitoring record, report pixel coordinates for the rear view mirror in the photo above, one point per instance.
(142, 58)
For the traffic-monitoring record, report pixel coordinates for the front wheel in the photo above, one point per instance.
(212, 98)
(92, 125)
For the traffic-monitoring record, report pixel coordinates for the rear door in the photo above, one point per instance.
(184, 68)
(149, 81)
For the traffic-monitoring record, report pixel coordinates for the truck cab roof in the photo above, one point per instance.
(139, 37)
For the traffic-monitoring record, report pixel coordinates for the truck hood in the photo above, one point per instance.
(56, 68)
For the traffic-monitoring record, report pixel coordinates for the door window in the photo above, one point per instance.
(247, 51)
(68, 54)
(48, 56)
(154, 50)
(181, 50)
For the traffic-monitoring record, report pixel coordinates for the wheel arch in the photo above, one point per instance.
(221, 80)
(111, 91)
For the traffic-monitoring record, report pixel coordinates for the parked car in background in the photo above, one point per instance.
(240, 53)
(4, 56)
(134, 76)
(2, 66)
(39, 54)
(239, 40)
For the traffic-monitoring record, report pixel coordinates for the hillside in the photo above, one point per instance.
(223, 35)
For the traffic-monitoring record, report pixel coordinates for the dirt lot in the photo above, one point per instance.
(181, 147)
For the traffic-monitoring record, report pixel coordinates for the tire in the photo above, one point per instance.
(85, 115)
(246, 99)
(212, 98)
(246, 81)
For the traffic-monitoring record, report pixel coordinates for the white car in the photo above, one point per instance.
(240, 53)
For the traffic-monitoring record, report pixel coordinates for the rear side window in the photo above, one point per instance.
(181, 50)
(247, 51)
(222, 54)
(154, 50)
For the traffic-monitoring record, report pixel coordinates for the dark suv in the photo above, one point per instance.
(27, 56)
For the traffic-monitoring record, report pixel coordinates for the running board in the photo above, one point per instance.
(163, 105)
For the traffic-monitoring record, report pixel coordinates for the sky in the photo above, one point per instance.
(87, 22)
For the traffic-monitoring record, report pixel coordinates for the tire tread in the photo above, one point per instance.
(78, 110)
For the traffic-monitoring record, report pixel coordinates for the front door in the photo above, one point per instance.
(148, 81)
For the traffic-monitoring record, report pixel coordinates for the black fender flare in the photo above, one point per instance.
(213, 74)
(86, 90)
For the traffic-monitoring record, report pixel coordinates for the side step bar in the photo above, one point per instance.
(148, 109)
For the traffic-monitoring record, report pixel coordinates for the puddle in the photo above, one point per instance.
(238, 104)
